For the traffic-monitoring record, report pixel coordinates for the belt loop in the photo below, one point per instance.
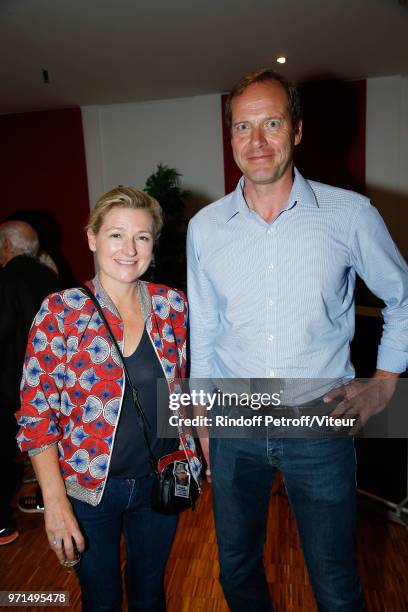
(295, 411)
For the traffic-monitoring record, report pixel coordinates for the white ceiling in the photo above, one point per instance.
(106, 51)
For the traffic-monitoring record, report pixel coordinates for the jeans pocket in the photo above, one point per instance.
(319, 420)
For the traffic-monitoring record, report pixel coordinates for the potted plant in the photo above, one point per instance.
(170, 252)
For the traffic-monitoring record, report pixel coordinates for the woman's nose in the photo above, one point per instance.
(130, 247)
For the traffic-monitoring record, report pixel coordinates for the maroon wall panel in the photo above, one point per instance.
(333, 146)
(44, 181)
(232, 173)
(334, 128)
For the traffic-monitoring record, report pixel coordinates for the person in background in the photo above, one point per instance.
(24, 282)
(34, 503)
(77, 418)
(271, 277)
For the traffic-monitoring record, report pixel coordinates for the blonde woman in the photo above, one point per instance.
(77, 419)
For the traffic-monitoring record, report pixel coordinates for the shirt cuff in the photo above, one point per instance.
(391, 360)
(32, 452)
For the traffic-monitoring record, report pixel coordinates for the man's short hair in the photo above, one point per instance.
(262, 76)
(22, 237)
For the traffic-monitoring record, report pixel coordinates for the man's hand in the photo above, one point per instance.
(202, 432)
(363, 400)
(204, 443)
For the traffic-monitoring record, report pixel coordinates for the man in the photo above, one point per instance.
(24, 282)
(271, 273)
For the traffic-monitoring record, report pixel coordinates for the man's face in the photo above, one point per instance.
(262, 135)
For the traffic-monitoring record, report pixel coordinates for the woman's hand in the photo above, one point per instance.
(62, 529)
(60, 522)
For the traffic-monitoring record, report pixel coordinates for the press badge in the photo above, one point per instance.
(181, 480)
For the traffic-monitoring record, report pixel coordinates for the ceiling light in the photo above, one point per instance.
(281, 60)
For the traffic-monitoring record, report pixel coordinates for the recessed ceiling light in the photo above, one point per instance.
(281, 60)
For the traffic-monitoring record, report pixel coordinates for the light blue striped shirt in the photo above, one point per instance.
(277, 300)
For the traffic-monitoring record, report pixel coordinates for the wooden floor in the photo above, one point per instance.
(191, 580)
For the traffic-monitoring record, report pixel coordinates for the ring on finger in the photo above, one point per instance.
(69, 563)
(56, 542)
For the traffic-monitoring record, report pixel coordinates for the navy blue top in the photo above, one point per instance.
(130, 457)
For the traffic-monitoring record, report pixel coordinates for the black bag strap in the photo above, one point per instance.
(141, 415)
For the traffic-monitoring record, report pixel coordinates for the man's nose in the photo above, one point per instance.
(257, 136)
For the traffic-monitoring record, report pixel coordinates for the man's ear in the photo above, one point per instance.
(298, 133)
(91, 240)
(8, 249)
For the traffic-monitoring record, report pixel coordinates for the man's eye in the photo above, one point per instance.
(115, 235)
(273, 123)
(145, 238)
(241, 127)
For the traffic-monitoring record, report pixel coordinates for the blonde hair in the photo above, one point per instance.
(125, 197)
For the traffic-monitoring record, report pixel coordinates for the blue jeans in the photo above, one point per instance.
(319, 475)
(125, 506)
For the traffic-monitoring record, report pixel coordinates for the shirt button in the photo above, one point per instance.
(271, 373)
(270, 338)
(269, 231)
(271, 266)
(271, 302)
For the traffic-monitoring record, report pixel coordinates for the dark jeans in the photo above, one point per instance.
(9, 474)
(319, 475)
(125, 506)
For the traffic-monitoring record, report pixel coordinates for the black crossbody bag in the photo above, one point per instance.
(174, 488)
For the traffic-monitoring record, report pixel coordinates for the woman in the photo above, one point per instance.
(77, 418)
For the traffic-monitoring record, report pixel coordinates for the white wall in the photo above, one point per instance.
(387, 153)
(125, 142)
(387, 133)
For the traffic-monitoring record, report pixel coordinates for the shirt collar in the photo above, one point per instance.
(301, 193)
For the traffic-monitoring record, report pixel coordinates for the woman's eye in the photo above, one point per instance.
(145, 238)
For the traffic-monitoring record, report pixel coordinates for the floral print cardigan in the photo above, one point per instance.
(73, 381)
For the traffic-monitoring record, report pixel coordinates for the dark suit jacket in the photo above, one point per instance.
(24, 282)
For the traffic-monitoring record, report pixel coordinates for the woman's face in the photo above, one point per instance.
(123, 245)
